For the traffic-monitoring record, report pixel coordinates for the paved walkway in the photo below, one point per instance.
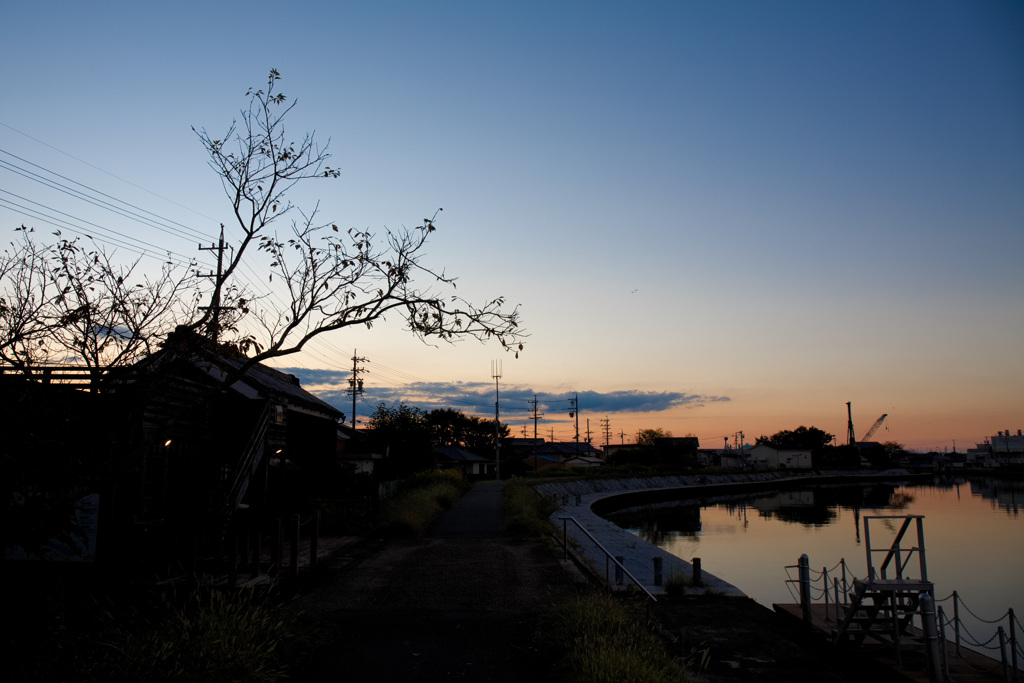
(464, 602)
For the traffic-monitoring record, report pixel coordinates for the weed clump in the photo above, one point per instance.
(210, 635)
(419, 501)
(604, 640)
(527, 513)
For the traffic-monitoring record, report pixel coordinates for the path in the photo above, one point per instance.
(464, 602)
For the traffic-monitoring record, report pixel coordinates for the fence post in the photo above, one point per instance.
(931, 637)
(805, 586)
(295, 547)
(698, 577)
(657, 571)
(233, 561)
(276, 548)
(314, 540)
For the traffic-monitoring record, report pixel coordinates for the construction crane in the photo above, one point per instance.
(874, 427)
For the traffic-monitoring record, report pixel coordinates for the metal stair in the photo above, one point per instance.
(882, 609)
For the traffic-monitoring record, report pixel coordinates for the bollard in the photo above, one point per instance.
(931, 637)
(942, 639)
(1013, 641)
(1002, 653)
(657, 571)
(956, 621)
(698, 578)
(619, 560)
(805, 587)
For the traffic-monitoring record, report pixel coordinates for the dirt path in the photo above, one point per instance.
(462, 603)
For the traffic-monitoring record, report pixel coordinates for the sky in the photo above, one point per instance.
(714, 217)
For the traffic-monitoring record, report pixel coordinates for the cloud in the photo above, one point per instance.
(478, 397)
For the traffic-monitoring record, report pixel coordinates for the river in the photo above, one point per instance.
(973, 532)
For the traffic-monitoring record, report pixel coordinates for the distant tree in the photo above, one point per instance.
(451, 427)
(401, 432)
(648, 437)
(802, 438)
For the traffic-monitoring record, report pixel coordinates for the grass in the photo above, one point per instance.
(209, 635)
(527, 513)
(605, 640)
(419, 501)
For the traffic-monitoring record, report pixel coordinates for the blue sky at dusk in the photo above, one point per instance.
(714, 216)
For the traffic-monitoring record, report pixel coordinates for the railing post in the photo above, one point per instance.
(698, 576)
(931, 637)
(805, 586)
(657, 570)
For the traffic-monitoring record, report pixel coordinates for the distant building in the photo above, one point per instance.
(763, 456)
(1002, 449)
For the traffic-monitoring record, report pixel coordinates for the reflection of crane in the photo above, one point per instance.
(874, 427)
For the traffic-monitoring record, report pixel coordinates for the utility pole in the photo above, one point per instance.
(213, 327)
(355, 382)
(574, 412)
(607, 429)
(536, 416)
(496, 374)
(622, 438)
(588, 430)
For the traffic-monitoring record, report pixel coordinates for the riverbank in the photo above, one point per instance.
(590, 534)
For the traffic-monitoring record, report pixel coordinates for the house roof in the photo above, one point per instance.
(258, 381)
(457, 454)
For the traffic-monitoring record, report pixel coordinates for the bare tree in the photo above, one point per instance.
(71, 303)
(327, 279)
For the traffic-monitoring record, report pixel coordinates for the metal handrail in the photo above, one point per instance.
(607, 555)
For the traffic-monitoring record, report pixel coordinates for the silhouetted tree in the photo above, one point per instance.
(802, 438)
(328, 279)
(72, 303)
(648, 437)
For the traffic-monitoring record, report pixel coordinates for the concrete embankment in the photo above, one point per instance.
(585, 500)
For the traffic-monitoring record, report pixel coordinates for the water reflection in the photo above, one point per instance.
(975, 535)
(813, 507)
